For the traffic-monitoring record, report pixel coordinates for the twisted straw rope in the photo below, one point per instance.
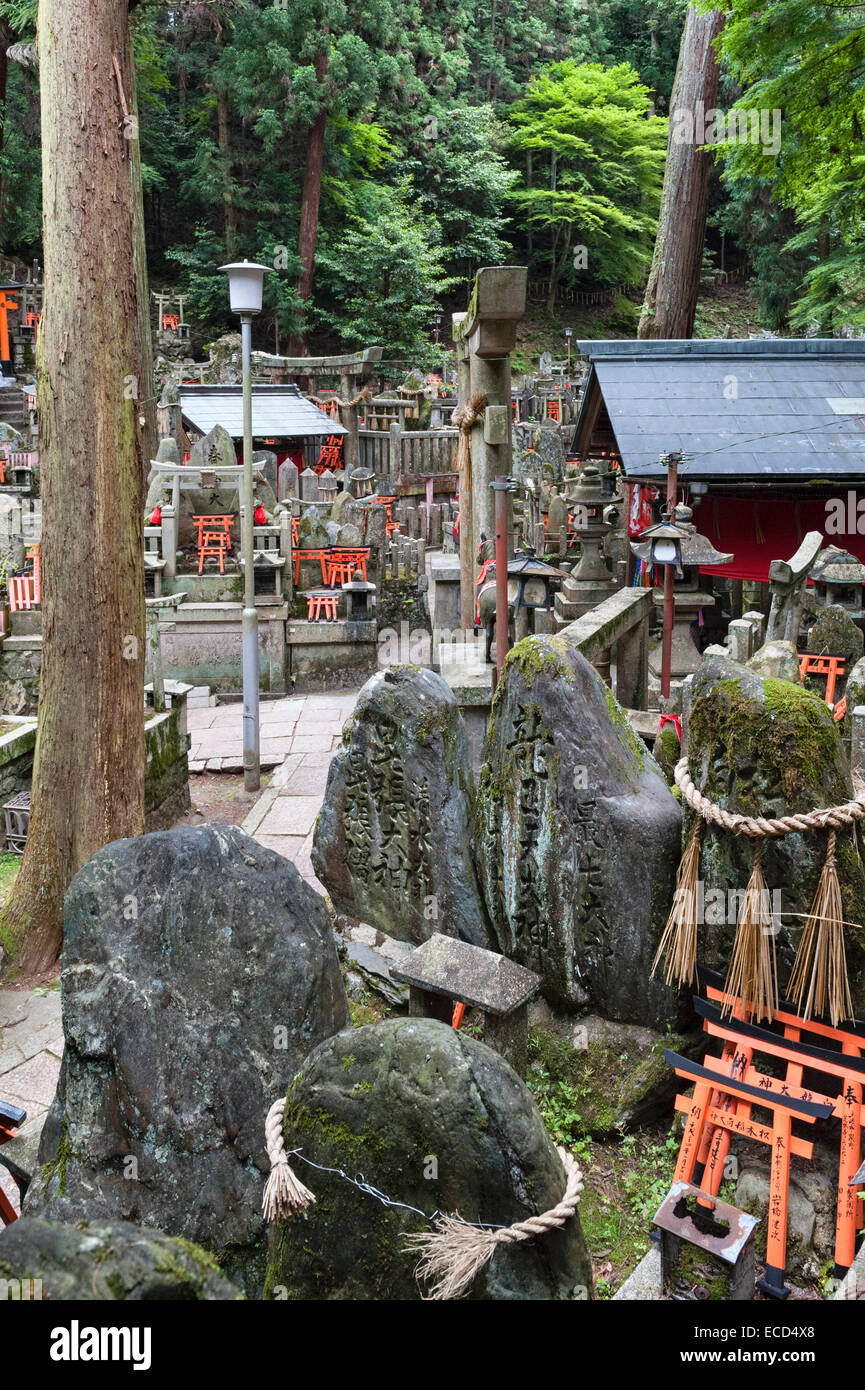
(759, 827)
(363, 395)
(285, 1195)
(557, 1215)
(455, 1252)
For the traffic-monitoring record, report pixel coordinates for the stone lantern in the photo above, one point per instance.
(529, 589)
(327, 488)
(838, 578)
(692, 551)
(361, 483)
(590, 581)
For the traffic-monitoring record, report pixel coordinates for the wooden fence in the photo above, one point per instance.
(408, 451)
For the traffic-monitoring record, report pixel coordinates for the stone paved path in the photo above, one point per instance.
(298, 735)
(299, 724)
(284, 817)
(31, 1045)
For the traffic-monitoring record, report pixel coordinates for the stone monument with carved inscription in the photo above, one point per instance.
(578, 836)
(393, 842)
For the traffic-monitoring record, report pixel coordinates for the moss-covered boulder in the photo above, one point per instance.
(436, 1122)
(836, 634)
(393, 841)
(106, 1261)
(198, 971)
(578, 836)
(765, 747)
(311, 533)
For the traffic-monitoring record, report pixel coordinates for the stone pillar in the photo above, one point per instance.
(857, 749)
(348, 417)
(287, 480)
(632, 666)
(758, 624)
(468, 548)
(169, 540)
(308, 485)
(488, 330)
(394, 450)
(740, 634)
(286, 553)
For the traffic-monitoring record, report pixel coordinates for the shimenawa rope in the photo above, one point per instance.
(455, 1251)
(819, 979)
(464, 419)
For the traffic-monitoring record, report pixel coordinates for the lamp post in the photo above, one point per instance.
(246, 286)
(665, 539)
(438, 324)
(568, 333)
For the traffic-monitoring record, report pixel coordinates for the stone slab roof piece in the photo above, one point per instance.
(445, 965)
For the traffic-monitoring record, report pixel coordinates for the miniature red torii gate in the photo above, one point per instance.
(726, 1078)
(847, 1105)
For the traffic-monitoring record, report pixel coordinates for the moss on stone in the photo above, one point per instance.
(797, 734)
(328, 1131)
(535, 656)
(626, 734)
(56, 1166)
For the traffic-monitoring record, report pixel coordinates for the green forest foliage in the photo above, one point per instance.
(459, 135)
(800, 212)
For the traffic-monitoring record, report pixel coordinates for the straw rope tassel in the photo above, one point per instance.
(455, 1253)
(821, 963)
(464, 420)
(678, 944)
(285, 1195)
(753, 974)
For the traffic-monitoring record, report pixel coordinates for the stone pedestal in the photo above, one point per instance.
(685, 659)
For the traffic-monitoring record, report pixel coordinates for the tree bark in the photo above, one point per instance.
(143, 328)
(88, 777)
(670, 302)
(5, 41)
(310, 201)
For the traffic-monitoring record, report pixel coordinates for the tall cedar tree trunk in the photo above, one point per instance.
(670, 303)
(5, 41)
(310, 202)
(88, 779)
(143, 328)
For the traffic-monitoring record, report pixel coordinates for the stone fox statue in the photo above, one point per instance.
(485, 616)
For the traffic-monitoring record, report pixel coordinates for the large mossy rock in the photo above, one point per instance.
(835, 634)
(109, 1260)
(764, 747)
(393, 841)
(198, 972)
(578, 836)
(433, 1120)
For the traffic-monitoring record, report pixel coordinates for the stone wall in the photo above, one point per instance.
(205, 646)
(166, 780)
(330, 656)
(20, 672)
(16, 762)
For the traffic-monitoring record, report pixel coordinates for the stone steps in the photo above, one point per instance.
(200, 697)
(13, 409)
